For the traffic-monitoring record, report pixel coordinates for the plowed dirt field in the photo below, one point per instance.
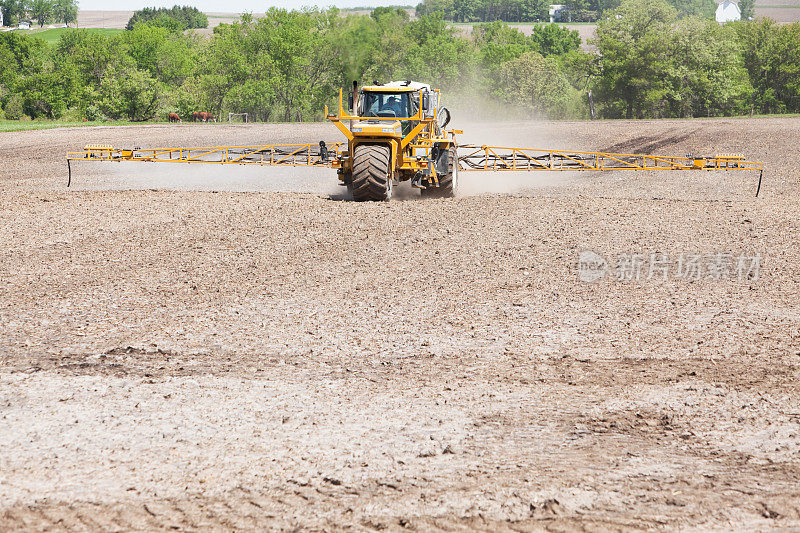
(187, 347)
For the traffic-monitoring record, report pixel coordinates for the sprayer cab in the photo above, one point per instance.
(395, 132)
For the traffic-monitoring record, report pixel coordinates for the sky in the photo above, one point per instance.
(231, 6)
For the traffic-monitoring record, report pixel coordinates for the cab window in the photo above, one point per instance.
(387, 105)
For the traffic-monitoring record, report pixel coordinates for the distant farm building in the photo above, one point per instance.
(728, 11)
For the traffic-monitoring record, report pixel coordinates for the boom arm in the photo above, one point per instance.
(471, 158)
(308, 155)
(311, 154)
(505, 158)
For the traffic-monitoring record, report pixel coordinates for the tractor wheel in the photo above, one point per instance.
(371, 173)
(448, 183)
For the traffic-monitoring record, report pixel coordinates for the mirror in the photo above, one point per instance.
(350, 102)
(425, 102)
(444, 117)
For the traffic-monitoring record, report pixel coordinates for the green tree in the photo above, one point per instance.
(497, 43)
(771, 54)
(695, 8)
(381, 12)
(650, 62)
(553, 39)
(604, 6)
(22, 57)
(356, 43)
(13, 108)
(238, 72)
(187, 99)
(293, 41)
(579, 68)
(129, 93)
(463, 10)
(166, 56)
(434, 53)
(708, 75)
(184, 17)
(224, 64)
(44, 95)
(33, 79)
(65, 11)
(255, 97)
(747, 8)
(13, 11)
(636, 56)
(537, 85)
(280, 54)
(583, 10)
(92, 53)
(170, 24)
(429, 7)
(42, 11)
(534, 10)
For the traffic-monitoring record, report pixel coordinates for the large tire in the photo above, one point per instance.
(448, 183)
(371, 173)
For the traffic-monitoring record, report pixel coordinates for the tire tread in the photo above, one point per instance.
(371, 172)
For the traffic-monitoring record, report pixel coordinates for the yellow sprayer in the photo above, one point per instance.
(397, 132)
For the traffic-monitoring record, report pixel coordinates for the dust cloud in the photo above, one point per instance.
(509, 134)
(204, 177)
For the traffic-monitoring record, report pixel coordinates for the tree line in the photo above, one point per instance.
(650, 61)
(43, 11)
(176, 18)
(538, 10)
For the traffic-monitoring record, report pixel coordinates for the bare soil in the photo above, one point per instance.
(119, 19)
(220, 349)
(786, 11)
(104, 19)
